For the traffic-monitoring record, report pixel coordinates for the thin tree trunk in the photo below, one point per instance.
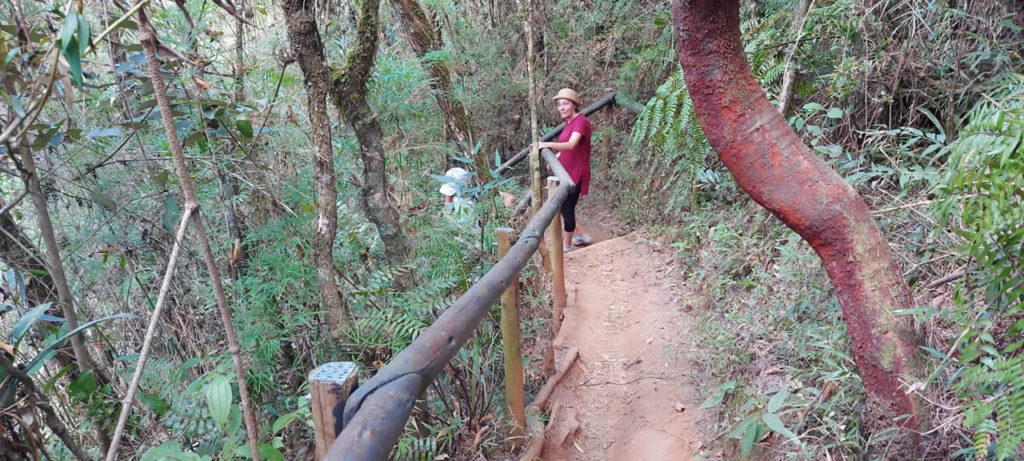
(789, 75)
(149, 45)
(56, 270)
(771, 164)
(348, 91)
(425, 37)
(536, 180)
(308, 50)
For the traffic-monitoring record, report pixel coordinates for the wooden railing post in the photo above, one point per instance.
(557, 262)
(329, 387)
(511, 340)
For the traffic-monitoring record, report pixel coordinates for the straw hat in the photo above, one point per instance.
(459, 177)
(569, 94)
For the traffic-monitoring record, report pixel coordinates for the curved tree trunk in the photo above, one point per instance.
(348, 91)
(308, 50)
(771, 164)
(424, 36)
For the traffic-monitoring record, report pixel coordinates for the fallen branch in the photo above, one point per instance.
(533, 421)
(126, 404)
(948, 278)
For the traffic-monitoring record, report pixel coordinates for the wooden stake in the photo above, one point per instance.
(329, 387)
(557, 263)
(511, 340)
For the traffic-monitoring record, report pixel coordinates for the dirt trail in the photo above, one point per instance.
(630, 395)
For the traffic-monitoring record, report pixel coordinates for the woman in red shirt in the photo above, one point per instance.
(573, 148)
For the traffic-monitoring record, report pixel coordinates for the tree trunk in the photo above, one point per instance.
(56, 271)
(771, 164)
(348, 91)
(308, 49)
(424, 37)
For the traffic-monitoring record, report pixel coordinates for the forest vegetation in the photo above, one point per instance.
(201, 202)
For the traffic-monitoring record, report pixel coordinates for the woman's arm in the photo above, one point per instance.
(571, 144)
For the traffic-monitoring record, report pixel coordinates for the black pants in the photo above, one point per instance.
(569, 211)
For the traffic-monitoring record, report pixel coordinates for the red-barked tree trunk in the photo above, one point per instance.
(771, 163)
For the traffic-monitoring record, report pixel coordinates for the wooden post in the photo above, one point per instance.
(329, 386)
(557, 261)
(511, 340)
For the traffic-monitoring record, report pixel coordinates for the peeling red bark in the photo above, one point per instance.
(771, 163)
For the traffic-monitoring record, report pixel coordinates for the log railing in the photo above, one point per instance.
(374, 415)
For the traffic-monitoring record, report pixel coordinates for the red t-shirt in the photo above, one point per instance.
(577, 161)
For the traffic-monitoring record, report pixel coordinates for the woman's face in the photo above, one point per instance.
(565, 107)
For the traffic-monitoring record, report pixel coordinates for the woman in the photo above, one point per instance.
(573, 148)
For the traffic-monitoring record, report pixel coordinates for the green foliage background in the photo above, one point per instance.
(917, 104)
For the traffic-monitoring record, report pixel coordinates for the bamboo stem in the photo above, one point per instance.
(511, 340)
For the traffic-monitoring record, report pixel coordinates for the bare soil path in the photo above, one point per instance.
(631, 395)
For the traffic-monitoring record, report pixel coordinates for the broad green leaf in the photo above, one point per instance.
(812, 107)
(283, 421)
(169, 451)
(774, 423)
(750, 437)
(834, 112)
(244, 125)
(25, 322)
(84, 386)
(778, 399)
(218, 398)
(74, 62)
(67, 32)
(83, 35)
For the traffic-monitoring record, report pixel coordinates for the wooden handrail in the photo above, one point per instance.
(375, 414)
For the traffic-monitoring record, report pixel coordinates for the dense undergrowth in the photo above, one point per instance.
(920, 113)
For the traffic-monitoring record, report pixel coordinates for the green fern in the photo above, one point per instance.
(676, 147)
(983, 200)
